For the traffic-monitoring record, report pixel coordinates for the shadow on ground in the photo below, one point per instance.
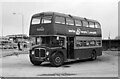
(66, 64)
(57, 74)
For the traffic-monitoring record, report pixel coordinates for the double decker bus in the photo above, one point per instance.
(58, 37)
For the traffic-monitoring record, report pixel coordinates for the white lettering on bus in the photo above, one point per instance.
(40, 29)
(78, 31)
(88, 32)
(92, 32)
(84, 32)
(71, 31)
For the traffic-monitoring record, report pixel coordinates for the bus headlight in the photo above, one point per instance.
(47, 53)
(32, 52)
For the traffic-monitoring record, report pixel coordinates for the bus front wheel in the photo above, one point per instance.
(93, 55)
(57, 59)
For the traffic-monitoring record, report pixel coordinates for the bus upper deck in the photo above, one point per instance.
(52, 23)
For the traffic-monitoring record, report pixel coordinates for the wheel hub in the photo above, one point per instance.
(57, 59)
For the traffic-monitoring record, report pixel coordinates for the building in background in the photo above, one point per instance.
(18, 37)
(111, 44)
(5, 43)
(11, 41)
(4, 38)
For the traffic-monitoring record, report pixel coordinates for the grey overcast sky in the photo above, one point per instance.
(104, 11)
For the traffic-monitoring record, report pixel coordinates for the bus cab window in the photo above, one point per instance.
(69, 21)
(39, 40)
(78, 23)
(32, 41)
(46, 19)
(60, 42)
(59, 20)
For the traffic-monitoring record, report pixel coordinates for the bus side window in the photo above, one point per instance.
(97, 25)
(78, 23)
(59, 20)
(98, 43)
(91, 24)
(92, 43)
(83, 43)
(85, 23)
(87, 43)
(78, 43)
(69, 21)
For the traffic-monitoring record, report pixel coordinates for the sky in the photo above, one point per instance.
(104, 11)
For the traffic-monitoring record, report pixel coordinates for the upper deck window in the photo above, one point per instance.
(91, 24)
(69, 21)
(36, 20)
(46, 19)
(78, 23)
(59, 20)
(85, 23)
(97, 25)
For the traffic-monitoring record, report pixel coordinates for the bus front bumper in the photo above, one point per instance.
(39, 58)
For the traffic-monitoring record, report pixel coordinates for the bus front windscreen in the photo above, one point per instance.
(41, 20)
(36, 20)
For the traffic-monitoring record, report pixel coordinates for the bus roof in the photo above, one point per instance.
(63, 15)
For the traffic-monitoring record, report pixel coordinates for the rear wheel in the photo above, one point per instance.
(93, 55)
(57, 59)
(35, 62)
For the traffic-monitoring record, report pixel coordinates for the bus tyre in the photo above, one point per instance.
(35, 62)
(57, 59)
(93, 55)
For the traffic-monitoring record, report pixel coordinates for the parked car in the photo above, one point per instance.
(5, 44)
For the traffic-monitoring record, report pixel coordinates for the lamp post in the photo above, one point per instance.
(22, 23)
(22, 20)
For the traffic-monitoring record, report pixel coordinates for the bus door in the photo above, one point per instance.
(70, 47)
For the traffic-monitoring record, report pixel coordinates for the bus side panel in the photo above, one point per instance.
(86, 53)
(58, 28)
(99, 51)
(43, 29)
(82, 53)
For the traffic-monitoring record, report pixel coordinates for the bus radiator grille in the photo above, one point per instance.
(36, 52)
(42, 52)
